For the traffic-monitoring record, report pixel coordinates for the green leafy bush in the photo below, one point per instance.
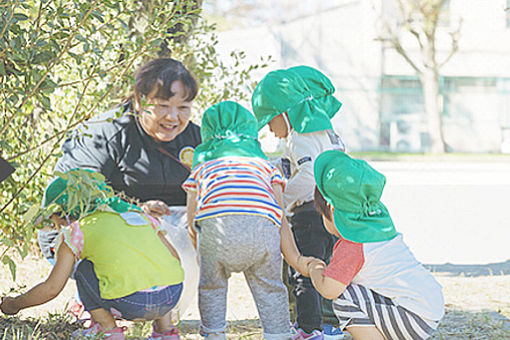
(64, 61)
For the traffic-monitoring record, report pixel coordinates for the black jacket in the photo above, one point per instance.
(130, 159)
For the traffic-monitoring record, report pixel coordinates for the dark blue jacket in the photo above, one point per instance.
(131, 160)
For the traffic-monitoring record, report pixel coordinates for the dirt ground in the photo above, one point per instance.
(478, 307)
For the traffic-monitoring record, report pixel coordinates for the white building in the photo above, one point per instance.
(381, 95)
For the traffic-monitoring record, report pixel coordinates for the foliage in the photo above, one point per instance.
(63, 61)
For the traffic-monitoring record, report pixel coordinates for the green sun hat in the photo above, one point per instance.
(303, 92)
(80, 192)
(354, 189)
(228, 129)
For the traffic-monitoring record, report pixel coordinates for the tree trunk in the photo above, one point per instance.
(430, 85)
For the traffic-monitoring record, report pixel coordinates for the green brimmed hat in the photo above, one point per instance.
(227, 129)
(354, 189)
(303, 92)
(81, 191)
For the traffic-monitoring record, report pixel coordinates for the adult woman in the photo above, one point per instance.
(143, 153)
(147, 151)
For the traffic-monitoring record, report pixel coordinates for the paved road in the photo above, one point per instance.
(456, 212)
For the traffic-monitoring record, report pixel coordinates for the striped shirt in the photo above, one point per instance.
(235, 185)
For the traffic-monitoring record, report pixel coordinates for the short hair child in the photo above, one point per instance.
(235, 216)
(380, 290)
(298, 105)
(108, 237)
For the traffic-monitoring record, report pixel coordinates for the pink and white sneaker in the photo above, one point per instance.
(172, 334)
(299, 334)
(116, 333)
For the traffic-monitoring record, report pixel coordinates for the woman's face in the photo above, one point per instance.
(278, 126)
(165, 119)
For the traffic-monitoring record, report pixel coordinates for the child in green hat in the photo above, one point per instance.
(381, 291)
(124, 265)
(298, 104)
(236, 221)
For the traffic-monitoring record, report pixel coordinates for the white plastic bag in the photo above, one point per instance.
(175, 226)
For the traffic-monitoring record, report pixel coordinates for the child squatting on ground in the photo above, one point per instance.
(380, 290)
(298, 104)
(236, 221)
(107, 236)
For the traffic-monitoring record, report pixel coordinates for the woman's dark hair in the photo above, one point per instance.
(321, 204)
(159, 74)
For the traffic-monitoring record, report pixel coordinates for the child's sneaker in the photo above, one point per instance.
(76, 309)
(332, 333)
(299, 334)
(116, 333)
(213, 336)
(172, 334)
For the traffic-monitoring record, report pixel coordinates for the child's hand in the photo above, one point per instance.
(8, 306)
(155, 208)
(302, 265)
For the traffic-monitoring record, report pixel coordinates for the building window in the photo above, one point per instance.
(402, 114)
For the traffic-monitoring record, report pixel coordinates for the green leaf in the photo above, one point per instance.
(12, 265)
(20, 17)
(31, 213)
(8, 242)
(45, 102)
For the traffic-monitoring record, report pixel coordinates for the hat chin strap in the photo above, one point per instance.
(287, 122)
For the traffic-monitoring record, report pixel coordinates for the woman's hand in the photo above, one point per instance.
(155, 208)
(9, 306)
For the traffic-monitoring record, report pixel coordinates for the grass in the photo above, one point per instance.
(457, 324)
(478, 307)
(52, 327)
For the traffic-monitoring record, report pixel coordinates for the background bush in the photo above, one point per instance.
(62, 62)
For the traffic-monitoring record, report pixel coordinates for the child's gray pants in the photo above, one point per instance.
(248, 244)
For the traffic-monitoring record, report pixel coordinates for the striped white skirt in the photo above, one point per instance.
(360, 306)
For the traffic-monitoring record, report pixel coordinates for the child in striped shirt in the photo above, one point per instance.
(236, 221)
(380, 290)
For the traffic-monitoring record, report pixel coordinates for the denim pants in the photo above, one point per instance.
(312, 239)
(147, 305)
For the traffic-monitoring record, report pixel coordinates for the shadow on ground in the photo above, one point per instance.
(457, 324)
(246, 329)
(470, 270)
(461, 324)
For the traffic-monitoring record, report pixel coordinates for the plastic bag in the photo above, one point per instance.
(175, 226)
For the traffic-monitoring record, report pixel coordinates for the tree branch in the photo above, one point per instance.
(455, 45)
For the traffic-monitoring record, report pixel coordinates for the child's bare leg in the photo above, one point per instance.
(164, 323)
(365, 333)
(104, 318)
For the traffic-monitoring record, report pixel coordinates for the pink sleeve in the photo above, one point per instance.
(155, 224)
(72, 236)
(346, 262)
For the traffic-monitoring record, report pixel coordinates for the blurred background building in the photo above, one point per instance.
(382, 98)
